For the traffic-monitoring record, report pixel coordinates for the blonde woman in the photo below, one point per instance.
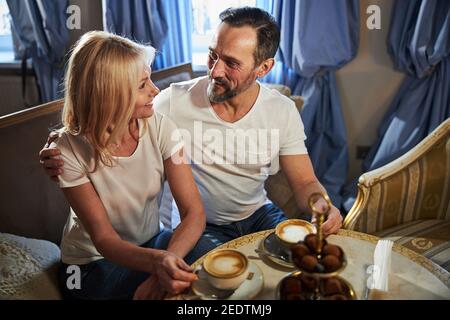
(117, 154)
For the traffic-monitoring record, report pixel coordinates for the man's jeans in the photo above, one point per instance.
(102, 279)
(266, 217)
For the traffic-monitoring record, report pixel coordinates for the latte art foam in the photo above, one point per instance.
(293, 233)
(226, 265)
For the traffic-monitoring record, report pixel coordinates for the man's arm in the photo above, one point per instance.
(300, 175)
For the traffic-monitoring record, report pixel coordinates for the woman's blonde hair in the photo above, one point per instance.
(101, 83)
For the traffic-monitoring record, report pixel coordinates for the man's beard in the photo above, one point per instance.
(228, 92)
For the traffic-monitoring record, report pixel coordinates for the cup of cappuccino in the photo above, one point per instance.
(226, 269)
(290, 232)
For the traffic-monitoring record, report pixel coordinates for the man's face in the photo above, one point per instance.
(231, 64)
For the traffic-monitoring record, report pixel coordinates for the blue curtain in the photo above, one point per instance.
(178, 46)
(280, 73)
(40, 26)
(165, 24)
(317, 38)
(419, 43)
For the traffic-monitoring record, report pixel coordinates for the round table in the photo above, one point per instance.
(412, 276)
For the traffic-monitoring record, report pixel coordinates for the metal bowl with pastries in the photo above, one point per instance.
(299, 286)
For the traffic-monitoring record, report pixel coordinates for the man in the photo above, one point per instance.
(237, 132)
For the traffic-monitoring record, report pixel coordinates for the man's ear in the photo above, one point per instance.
(265, 67)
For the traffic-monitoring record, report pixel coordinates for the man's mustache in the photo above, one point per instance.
(219, 80)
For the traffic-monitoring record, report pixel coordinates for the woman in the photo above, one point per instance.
(117, 153)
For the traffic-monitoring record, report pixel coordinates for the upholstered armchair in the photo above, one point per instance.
(408, 200)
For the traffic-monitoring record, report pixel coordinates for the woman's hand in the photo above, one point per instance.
(171, 275)
(150, 289)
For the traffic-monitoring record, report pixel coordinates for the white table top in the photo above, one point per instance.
(412, 276)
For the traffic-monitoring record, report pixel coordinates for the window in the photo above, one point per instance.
(6, 43)
(206, 19)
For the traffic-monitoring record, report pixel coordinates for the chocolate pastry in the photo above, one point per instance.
(331, 263)
(332, 249)
(299, 250)
(332, 286)
(309, 283)
(308, 263)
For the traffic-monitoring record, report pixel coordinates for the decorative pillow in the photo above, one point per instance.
(28, 268)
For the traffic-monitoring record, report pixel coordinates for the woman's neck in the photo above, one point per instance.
(129, 141)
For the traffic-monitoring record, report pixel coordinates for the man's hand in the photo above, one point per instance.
(333, 221)
(52, 167)
(172, 275)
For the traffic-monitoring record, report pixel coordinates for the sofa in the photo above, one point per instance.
(33, 209)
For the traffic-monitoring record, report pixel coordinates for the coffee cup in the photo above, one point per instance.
(226, 269)
(290, 232)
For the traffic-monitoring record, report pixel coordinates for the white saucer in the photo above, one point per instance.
(248, 290)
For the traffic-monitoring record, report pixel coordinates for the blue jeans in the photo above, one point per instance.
(266, 217)
(105, 280)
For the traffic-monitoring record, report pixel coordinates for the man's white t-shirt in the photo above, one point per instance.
(231, 161)
(128, 190)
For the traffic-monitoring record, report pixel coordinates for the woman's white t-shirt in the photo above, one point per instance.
(128, 190)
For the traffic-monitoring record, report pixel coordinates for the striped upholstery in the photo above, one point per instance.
(429, 237)
(409, 198)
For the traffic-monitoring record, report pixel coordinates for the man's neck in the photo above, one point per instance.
(237, 107)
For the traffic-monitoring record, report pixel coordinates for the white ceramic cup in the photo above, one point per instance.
(226, 269)
(290, 232)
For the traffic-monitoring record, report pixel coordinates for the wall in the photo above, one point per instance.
(91, 17)
(11, 90)
(368, 84)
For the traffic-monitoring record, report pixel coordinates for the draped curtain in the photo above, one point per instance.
(419, 43)
(164, 24)
(317, 38)
(40, 26)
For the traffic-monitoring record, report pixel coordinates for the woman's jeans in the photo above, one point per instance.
(102, 279)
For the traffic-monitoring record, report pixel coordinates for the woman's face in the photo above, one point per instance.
(146, 92)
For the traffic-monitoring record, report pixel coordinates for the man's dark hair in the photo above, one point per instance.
(267, 30)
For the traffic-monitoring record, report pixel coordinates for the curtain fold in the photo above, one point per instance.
(164, 24)
(419, 43)
(178, 46)
(40, 26)
(317, 38)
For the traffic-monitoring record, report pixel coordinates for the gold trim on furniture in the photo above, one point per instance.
(370, 183)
